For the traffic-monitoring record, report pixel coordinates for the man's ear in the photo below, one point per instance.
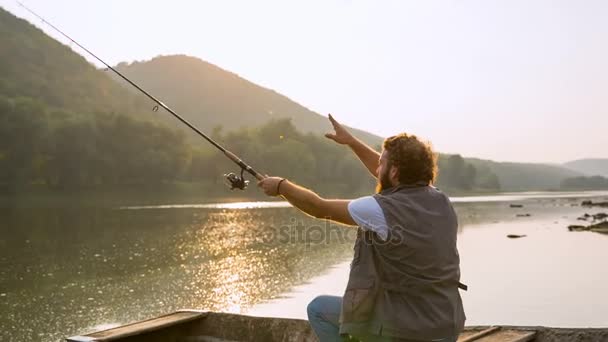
(394, 174)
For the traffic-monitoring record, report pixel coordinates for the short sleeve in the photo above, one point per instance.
(366, 212)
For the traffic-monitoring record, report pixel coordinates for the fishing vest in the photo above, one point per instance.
(406, 287)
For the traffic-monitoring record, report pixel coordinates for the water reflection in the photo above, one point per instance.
(65, 271)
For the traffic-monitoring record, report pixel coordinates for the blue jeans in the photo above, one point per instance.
(324, 315)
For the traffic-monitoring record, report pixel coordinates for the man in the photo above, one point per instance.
(404, 277)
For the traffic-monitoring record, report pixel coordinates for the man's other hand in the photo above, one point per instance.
(270, 185)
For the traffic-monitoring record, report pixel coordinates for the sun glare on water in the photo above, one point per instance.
(235, 205)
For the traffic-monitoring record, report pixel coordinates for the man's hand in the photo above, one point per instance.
(270, 185)
(341, 135)
(368, 156)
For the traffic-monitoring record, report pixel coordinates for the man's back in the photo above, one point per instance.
(418, 265)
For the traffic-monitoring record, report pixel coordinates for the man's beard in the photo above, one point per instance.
(384, 182)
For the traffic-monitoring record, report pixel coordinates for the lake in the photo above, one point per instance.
(70, 270)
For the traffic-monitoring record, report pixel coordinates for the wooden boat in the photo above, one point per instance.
(200, 326)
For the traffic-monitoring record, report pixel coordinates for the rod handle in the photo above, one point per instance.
(233, 157)
(242, 164)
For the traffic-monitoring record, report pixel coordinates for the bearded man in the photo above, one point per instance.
(405, 274)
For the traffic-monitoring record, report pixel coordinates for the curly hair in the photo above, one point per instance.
(415, 159)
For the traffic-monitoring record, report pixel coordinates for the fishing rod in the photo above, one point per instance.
(235, 181)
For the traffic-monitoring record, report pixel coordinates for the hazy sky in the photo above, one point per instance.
(506, 80)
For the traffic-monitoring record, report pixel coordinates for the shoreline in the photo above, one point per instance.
(198, 197)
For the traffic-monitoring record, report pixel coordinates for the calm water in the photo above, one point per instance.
(72, 270)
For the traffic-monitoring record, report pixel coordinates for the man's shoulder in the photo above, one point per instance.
(368, 214)
(428, 193)
(411, 191)
(365, 203)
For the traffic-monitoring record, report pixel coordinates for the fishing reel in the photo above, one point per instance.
(236, 182)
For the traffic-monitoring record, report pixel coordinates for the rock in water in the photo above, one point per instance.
(601, 227)
(599, 216)
(594, 204)
(577, 228)
(584, 217)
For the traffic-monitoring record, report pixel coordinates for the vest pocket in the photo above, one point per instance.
(358, 301)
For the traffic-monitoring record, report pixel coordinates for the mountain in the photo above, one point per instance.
(79, 128)
(209, 96)
(589, 167)
(66, 124)
(526, 176)
(35, 65)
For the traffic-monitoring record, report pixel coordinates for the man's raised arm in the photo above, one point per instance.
(368, 156)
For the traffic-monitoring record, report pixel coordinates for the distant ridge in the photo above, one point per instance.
(526, 176)
(589, 166)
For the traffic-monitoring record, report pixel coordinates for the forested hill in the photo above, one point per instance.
(209, 96)
(35, 65)
(66, 125)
